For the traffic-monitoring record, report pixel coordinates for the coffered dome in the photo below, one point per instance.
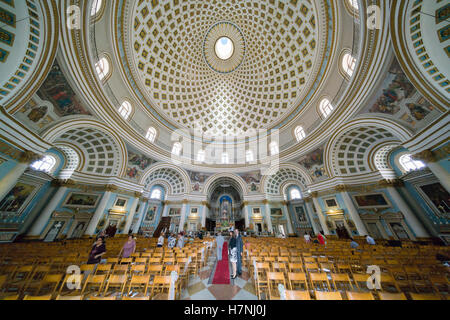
(275, 54)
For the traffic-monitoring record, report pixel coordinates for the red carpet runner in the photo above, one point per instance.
(222, 275)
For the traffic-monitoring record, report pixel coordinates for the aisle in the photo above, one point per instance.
(222, 274)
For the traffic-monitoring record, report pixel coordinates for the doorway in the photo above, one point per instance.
(341, 230)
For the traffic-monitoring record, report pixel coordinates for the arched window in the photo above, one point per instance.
(348, 64)
(300, 133)
(125, 109)
(201, 156)
(249, 156)
(46, 164)
(273, 147)
(176, 149)
(156, 194)
(225, 158)
(410, 164)
(354, 4)
(96, 6)
(326, 107)
(102, 67)
(151, 134)
(295, 194)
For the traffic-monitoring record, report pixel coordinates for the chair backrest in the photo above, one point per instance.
(46, 297)
(360, 295)
(59, 297)
(103, 298)
(135, 298)
(424, 296)
(14, 297)
(322, 295)
(297, 295)
(392, 296)
(318, 276)
(139, 279)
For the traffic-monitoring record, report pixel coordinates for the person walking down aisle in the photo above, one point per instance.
(233, 254)
(321, 238)
(219, 242)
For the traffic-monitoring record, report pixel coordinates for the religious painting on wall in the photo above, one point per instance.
(398, 98)
(150, 213)
(81, 200)
(120, 202)
(314, 163)
(174, 211)
(300, 213)
(276, 212)
(58, 91)
(194, 211)
(331, 203)
(137, 164)
(372, 200)
(37, 113)
(198, 177)
(251, 177)
(256, 211)
(437, 196)
(17, 199)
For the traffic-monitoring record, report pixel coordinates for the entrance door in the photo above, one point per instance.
(341, 230)
(259, 227)
(373, 230)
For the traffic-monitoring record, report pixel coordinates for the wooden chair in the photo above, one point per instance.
(139, 269)
(139, 282)
(273, 280)
(297, 295)
(120, 269)
(155, 270)
(361, 282)
(295, 267)
(424, 296)
(341, 281)
(392, 296)
(389, 281)
(116, 281)
(260, 278)
(320, 280)
(112, 261)
(322, 295)
(360, 295)
(94, 281)
(46, 297)
(20, 279)
(126, 260)
(161, 284)
(296, 280)
(50, 281)
(103, 269)
(312, 267)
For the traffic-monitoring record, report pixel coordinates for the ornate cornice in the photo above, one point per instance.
(111, 188)
(391, 183)
(28, 157)
(63, 183)
(314, 194)
(430, 156)
(137, 194)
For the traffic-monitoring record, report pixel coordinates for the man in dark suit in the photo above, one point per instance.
(240, 250)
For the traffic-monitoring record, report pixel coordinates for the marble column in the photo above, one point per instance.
(141, 213)
(90, 230)
(323, 222)
(166, 209)
(413, 222)
(183, 216)
(204, 213)
(353, 212)
(245, 210)
(46, 214)
(267, 216)
(130, 216)
(431, 158)
(288, 217)
(10, 179)
(309, 212)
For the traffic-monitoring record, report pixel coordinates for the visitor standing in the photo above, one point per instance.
(160, 240)
(233, 253)
(128, 248)
(219, 242)
(240, 250)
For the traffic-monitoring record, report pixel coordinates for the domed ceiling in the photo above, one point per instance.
(225, 67)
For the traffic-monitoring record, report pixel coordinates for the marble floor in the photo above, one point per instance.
(201, 288)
